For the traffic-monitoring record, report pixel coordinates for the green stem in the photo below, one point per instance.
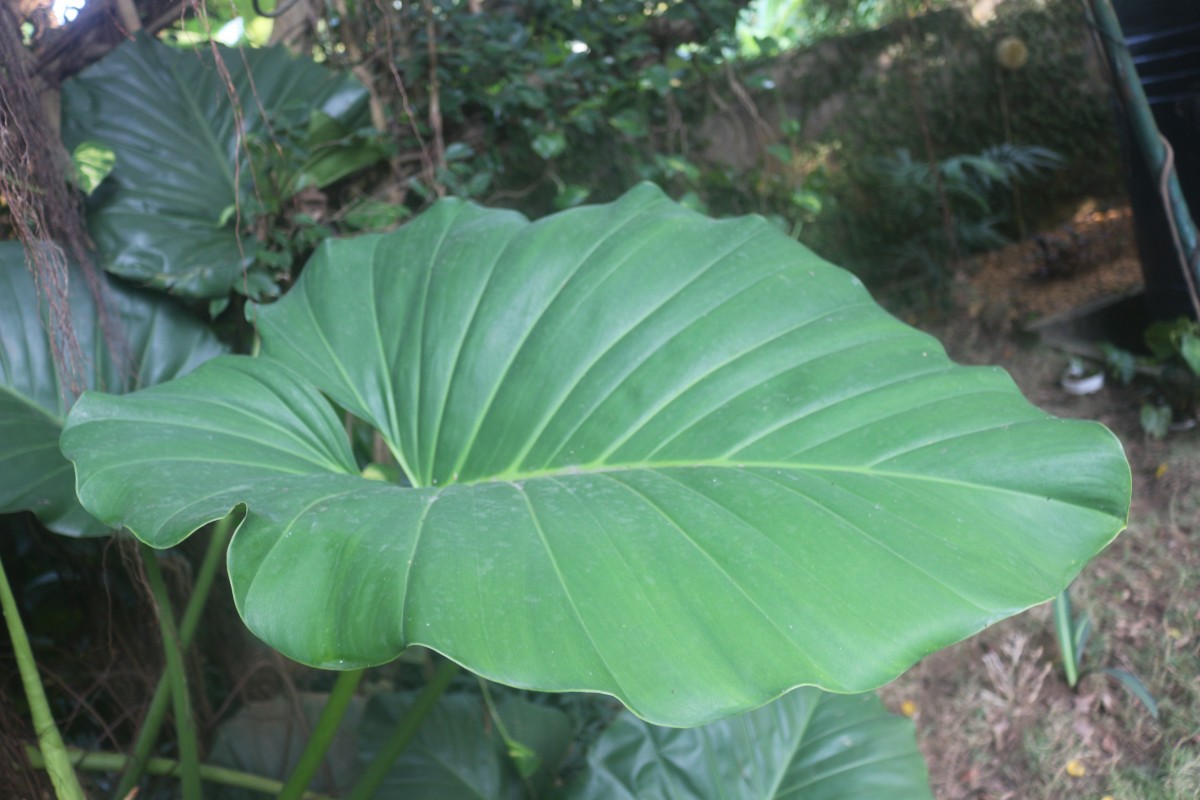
(523, 759)
(368, 785)
(496, 718)
(185, 729)
(66, 783)
(1064, 627)
(111, 762)
(152, 724)
(322, 735)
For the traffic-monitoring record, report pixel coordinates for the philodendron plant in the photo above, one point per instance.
(680, 461)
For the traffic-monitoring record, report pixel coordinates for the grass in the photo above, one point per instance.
(1179, 779)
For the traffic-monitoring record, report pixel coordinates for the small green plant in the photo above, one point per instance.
(1173, 369)
(1175, 346)
(1074, 634)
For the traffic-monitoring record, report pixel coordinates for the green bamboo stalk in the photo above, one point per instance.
(53, 751)
(368, 784)
(185, 728)
(322, 735)
(152, 724)
(93, 761)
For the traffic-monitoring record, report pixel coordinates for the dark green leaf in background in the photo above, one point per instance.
(337, 151)
(807, 745)
(172, 117)
(267, 737)
(679, 461)
(158, 341)
(458, 753)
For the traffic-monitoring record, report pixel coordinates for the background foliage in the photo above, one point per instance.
(540, 106)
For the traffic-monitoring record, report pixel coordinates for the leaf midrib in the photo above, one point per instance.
(784, 466)
(800, 739)
(205, 127)
(36, 408)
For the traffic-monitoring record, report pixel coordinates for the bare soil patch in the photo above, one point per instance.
(1091, 256)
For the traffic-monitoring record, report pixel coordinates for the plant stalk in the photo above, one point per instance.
(1064, 627)
(53, 752)
(185, 728)
(322, 735)
(111, 762)
(152, 724)
(524, 760)
(368, 785)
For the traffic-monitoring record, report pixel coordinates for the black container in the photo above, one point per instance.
(1163, 36)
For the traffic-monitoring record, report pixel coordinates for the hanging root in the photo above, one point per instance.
(43, 206)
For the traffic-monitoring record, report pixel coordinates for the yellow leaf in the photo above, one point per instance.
(1076, 769)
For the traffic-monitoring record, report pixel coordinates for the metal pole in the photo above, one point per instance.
(1153, 146)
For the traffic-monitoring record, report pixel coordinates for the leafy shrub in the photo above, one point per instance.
(545, 104)
(951, 209)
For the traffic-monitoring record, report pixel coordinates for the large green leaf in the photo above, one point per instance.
(680, 461)
(807, 745)
(158, 340)
(268, 738)
(458, 753)
(336, 152)
(166, 215)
